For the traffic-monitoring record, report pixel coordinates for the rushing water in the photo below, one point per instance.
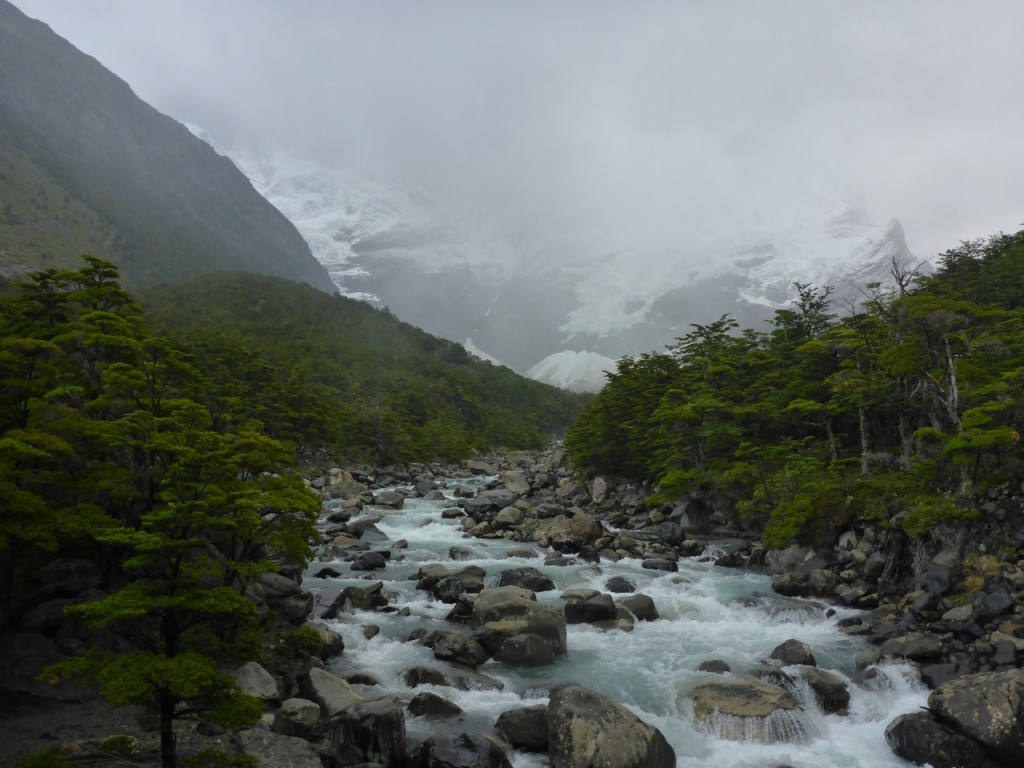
(707, 612)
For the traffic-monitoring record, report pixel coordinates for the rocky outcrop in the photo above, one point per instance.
(587, 730)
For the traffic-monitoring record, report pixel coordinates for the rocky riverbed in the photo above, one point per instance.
(951, 604)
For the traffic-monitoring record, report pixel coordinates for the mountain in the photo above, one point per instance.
(560, 292)
(86, 166)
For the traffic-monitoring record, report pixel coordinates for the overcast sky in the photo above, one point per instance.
(669, 111)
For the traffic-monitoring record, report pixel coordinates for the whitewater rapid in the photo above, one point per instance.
(707, 612)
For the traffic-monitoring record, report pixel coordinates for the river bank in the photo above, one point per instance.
(893, 598)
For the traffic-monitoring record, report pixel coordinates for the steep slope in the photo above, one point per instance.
(390, 390)
(178, 208)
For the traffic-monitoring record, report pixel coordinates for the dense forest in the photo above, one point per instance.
(101, 419)
(170, 459)
(901, 409)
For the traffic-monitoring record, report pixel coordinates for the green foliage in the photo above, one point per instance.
(108, 448)
(326, 370)
(44, 758)
(909, 404)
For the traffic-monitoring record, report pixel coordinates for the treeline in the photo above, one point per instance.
(327, 370)
(908, 405)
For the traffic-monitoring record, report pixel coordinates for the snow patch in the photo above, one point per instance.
(576, 371)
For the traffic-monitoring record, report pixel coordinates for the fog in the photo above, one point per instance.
(668, 117)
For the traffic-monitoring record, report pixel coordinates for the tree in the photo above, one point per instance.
(218, 521)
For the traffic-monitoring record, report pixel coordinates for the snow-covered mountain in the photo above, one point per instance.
(559, 295)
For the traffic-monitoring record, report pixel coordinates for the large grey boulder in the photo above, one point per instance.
(254, 680)
(332, 693)
(525, 728)
(272, 750)
(588, 730)
(458, 647)
(569, 534)
(526, 577)
(794, 651)
(919, 738)
(508, 611)
(744, 708)
(988, 707)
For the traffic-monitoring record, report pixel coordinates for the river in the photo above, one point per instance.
(707, 612)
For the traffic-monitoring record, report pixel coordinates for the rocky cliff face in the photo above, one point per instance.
(175, 206)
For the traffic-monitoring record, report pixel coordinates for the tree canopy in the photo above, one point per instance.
(910, 403)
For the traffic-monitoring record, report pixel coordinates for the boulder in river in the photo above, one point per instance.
(507, 611)
(525, 728)
(744, 708)
(921, 739)
(588, 730)
(988, 707)
(527, 578)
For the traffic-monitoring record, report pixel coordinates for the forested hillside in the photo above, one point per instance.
(330, 370)
(902, 410)
(102, 421)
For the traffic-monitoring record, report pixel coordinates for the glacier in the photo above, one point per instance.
(560, 295)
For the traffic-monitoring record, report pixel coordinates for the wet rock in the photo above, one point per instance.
(525, 728)
(598, 608)
(745, 708)
(431, 705)
(715, 666)
(988, 707)
(916, 646)
(660, 564)
(417, 676)
(460, 553)
(525, 650)
(374, 732)
(620, 585)
(527, 578)
(641, 606)
(470, 579)
(370, 561)
(587, 730)
(829, 689)
(919, 738)
(458, 647)
(508, 611)
(794, 652)
(429, 574)
(790, 585)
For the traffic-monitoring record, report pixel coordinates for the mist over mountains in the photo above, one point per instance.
(561, 295)
(87, 166)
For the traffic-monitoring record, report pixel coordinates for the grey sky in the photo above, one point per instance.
(666, 113)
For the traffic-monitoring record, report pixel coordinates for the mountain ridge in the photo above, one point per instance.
(178, 207)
